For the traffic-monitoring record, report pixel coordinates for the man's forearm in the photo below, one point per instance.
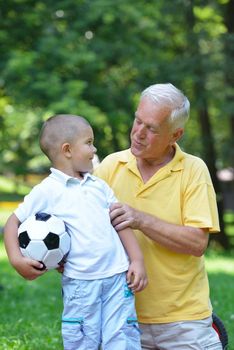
(178, 238)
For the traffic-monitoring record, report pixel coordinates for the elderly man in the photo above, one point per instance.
(167, 197)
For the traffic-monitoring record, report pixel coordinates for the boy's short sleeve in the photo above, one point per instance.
(110, 196)
(33, 203)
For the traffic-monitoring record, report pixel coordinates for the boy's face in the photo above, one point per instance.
(83, 150)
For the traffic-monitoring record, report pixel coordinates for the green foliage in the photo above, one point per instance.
(94, 57)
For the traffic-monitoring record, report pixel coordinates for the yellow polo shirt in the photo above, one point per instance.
(181, 193)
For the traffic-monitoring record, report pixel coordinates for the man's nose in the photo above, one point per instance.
(141, 131)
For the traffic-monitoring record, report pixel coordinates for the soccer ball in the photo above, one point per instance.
(43, 237)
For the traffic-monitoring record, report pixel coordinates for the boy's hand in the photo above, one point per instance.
(28, 268)
(136, 276)
(60, 269)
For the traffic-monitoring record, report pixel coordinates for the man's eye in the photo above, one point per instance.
(137, 121)
(153, 130)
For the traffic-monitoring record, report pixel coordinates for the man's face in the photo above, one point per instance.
(151, 136)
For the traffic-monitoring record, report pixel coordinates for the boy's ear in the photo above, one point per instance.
(66, 149)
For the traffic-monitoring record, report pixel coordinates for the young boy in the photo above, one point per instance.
(98, 280)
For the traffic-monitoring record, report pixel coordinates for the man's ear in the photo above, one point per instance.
(176, 135)
(66, 149)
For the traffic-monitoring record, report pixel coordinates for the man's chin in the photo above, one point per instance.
(135, 151)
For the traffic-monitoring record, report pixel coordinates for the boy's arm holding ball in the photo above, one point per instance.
(26, 267)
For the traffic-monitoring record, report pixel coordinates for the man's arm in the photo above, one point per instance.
(26, 267)
(180, 239)
(136, 275)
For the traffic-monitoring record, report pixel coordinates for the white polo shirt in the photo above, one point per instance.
(96, 250)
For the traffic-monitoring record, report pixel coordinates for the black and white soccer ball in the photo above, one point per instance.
(43, 237)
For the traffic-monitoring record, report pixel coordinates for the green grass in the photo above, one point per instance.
(31, 310)
(220, 267)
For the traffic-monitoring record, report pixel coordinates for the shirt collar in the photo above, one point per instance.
(64, 178)
(174, 165)
(176, 162)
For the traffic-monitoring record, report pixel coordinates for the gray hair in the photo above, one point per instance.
(168, 95)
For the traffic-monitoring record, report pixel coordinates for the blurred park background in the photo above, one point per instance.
(93, 58)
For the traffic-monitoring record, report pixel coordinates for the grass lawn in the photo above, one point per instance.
(31, 310)
(220, 269)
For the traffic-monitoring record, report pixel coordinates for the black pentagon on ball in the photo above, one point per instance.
(51, 241)
(42, 216)
(24, 239)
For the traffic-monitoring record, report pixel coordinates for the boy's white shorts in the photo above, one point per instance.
(99, 312)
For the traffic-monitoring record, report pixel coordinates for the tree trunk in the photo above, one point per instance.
(210, 157)
(204, 119)
(229, 72)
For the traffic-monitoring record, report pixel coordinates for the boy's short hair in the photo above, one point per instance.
(57, 130)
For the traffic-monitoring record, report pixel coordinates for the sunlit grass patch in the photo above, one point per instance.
(220, 263)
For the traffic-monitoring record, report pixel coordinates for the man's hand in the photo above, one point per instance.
(122, 216)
